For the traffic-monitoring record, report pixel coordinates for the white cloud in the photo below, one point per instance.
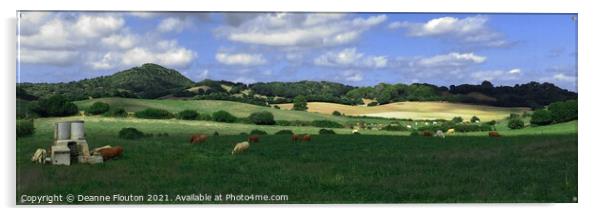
(171, 24)
(120, 41)
(52, 57)
(453, 59)
(564, 78)
(299, 30)
(515, 71)
(496, 75)
(349, 57)
(240, 59)
(144, 15)
(470, 30)
(96, 26)
(353, 76)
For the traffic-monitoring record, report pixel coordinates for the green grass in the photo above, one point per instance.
(525, 166)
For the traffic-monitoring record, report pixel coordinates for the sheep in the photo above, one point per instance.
(440, 134)
(306, 138)
(450, 131)
(240, 147)
(109, 153)
(494, 134)
(198, 138)
(39, 156)
(295, 137)
(355, 131)
(409, 126)
(253, 139)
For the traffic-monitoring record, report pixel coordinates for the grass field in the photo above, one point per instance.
(537, 164)
(415, 110)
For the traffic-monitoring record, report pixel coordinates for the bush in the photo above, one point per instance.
(300, 103)
(475, 119)
(326, 124)
(492, 122)
(326, 131)
(516, 123)
(188, 115)
(541, 117)
(276, 107)
(336, 113)
(130, 133)
(373, 103)
(513, 116)
(564, 111)
(25, 127)
(151, 113)
(457, 119)
(119, 113)
(262, 118)
(283, 123)
(258, 132)
(284, 132)
(223, 116)
(394, 127)
(98, 108)
(204, 117)
(414, 133)
(56, 105)
(215, 133)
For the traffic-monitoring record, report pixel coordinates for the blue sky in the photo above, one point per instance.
(353, 48)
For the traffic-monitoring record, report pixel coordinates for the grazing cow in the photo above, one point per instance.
(427, 133)
(109, 153)
(240, 147)
(439, 133)
(39, 156)
(296, 137)
(451, 131)
(306, 138)
(253, 139)
(494, 134)
(198, 138)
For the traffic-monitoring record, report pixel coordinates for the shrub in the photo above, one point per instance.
(475, 119)
(188, 115)
(564, 111)
(130, 133)
(25, 127)
(56, 105)
(258, 132)
(326, 124)
(414, 133)
(326, 131)
(513, 116)
(119, 113)
(457, 119)
(283, 123)
(516, 123)
(492, 122)
(284, 132)
(276, 107)
(223, 116)
(151, 113)
(394, 127)
(98, 108)
(215, 133)
(373, 103)
(262, 118)
(204, 117)
(300, 103)
(541, 117)
(336, 113)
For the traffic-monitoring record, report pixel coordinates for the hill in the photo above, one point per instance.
(146, 81)
(415, 110)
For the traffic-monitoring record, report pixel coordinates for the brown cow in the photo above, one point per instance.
(296, 137)
(306, 138)
(109, 153)
(427, 134)
(253, 139)
(494, 134)
(198, 138)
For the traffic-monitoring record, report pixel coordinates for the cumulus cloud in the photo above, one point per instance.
(453, 59)
(299, 30)
(470, 30)
(515, 71)
(171, 24)
(496, 75)
(350, 57)
(99, 41)
(240, 59)
(564, 78)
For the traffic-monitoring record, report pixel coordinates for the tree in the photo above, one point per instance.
(300, 103)
(56, 105)
(187, 115)
(457, 119)
(475, 119)
(98, 108)
(223, 116)
(516, 124)
(336, 113)
(262, 118)
(541, 117)
(564, 111)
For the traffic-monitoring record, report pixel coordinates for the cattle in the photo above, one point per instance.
(39, 156)
(240, 147)
(253, 139)
(296, 137)
(494, 134)
(198, 138)
(450, 131)
(439, 133)
(110, 153)
(306, 138)
(427, 133)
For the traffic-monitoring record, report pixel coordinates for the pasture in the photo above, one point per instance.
(535, 165)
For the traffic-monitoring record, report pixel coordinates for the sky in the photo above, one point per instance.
(358, 49)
